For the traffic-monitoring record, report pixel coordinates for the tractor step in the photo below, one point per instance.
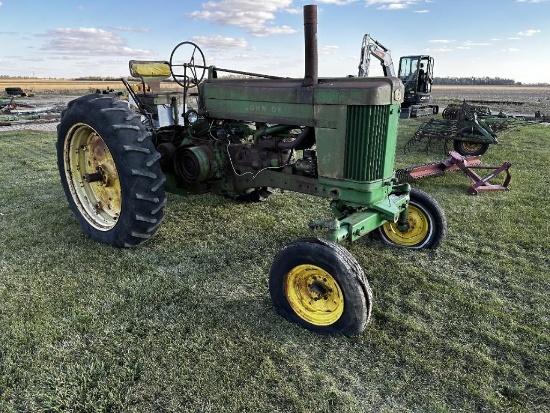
(466, 165)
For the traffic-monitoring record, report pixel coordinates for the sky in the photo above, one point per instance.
(77, 38)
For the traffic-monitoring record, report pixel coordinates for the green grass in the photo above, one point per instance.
(185, 323)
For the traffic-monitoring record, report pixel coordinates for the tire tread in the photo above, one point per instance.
(137, 163)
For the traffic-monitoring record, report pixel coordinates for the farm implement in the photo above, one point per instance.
(13, 113)
(468, 165)
(241, 138)
(471, 128)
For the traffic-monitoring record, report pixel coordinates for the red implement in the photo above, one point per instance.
(465, 164)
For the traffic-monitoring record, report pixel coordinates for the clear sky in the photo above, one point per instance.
(74, 38)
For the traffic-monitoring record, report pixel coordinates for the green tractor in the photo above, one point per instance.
(334, 138)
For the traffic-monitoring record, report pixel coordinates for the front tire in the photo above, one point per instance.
(427, 225)
(110, 171)
(319, 285)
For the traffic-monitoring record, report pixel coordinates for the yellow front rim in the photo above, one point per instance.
(92, 177)
(471, 147)
(418, 229)
(314, 295)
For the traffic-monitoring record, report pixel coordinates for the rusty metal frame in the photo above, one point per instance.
(466, 165)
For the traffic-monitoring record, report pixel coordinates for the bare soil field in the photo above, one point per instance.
(523, 100)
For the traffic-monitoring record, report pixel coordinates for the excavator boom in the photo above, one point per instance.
(374, 48)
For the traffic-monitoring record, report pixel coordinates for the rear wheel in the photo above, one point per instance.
(110, 171)
(426, 221)
(468, 148)
(319, 285)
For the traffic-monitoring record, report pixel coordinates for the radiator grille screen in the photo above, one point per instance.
(366, 142)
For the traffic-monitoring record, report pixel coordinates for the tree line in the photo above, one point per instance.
(478, 81)
(471, 80)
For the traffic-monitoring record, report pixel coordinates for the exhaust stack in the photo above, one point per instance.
(310, 37)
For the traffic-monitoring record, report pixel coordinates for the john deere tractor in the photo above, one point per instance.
(244, 137)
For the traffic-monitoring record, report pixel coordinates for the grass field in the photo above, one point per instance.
(185, 323)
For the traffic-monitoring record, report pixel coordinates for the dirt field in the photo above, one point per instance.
(524, 100)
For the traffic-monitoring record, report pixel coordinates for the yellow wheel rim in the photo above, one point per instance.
(418, 229)
(314, 295)
(471, 147)
(92, 177)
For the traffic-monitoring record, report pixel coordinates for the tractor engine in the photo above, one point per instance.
(207, 152)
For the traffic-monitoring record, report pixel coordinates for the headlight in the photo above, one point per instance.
(191, 116)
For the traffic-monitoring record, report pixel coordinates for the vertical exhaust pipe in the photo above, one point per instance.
(310, 37)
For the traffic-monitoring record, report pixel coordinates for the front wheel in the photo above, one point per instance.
(319, 285)
(426, 221)
(110, 171)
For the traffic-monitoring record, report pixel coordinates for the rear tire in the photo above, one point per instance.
(110, 171)
(319, 285)
(427, 224)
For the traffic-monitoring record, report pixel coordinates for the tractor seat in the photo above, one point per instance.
(151, 72)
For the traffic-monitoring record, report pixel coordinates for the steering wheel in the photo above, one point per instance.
(195, 66)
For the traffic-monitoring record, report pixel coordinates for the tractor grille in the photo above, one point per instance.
(366, 142)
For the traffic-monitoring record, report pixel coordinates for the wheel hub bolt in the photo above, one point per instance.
(94, 177)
